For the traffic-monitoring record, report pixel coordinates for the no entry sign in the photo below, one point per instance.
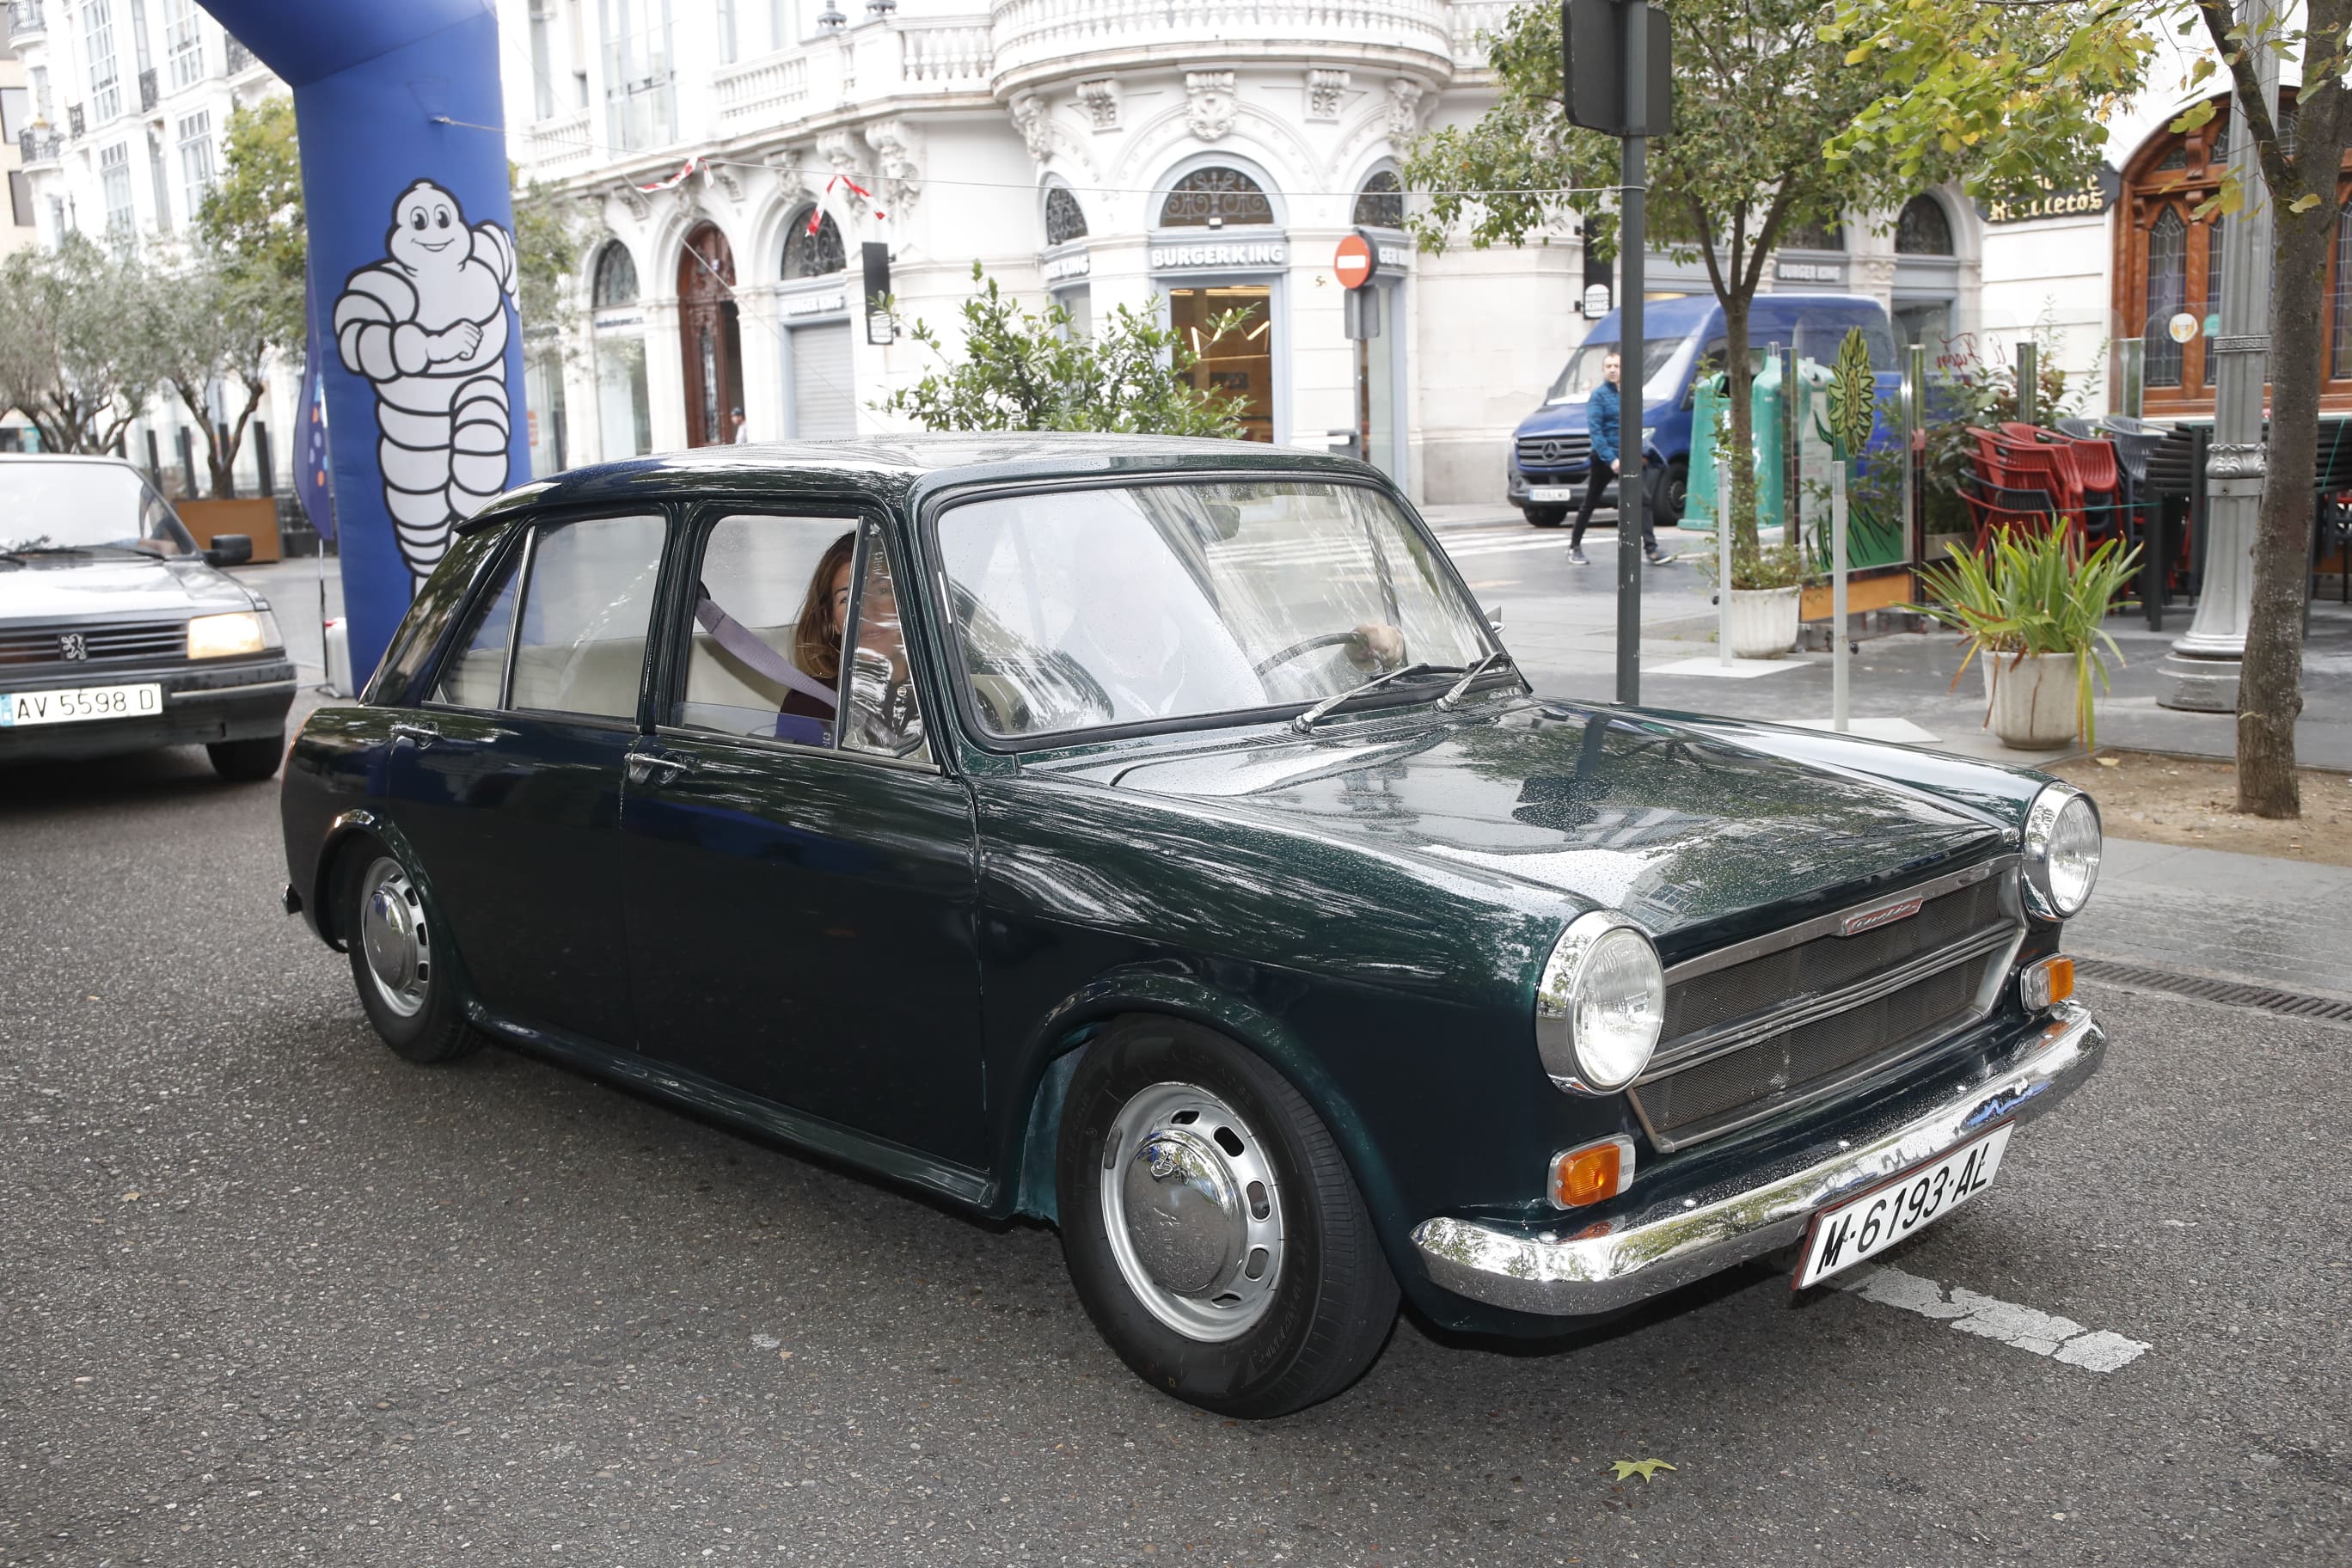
(1357, 260)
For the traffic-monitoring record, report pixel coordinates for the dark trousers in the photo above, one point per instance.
(1600, 482)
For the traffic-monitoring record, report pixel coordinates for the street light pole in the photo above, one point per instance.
(1631, 410)
(2200, 673)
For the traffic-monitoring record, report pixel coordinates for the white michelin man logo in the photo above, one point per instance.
(428, 326)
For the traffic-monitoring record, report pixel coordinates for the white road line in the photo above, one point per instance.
(2022, 1328)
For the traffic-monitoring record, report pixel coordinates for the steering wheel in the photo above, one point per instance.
(1283, 656)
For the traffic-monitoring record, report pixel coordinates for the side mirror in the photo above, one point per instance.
(1495, 617)
(229, 550)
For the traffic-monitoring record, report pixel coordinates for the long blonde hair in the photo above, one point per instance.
(816, 641)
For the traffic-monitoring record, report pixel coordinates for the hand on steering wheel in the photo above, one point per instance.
(1372, 643)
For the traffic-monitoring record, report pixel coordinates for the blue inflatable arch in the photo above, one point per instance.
(412, 275)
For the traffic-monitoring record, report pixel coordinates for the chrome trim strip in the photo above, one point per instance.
(1828, 924)
(1693, 1050)
(223, 693)
(1669, 1244)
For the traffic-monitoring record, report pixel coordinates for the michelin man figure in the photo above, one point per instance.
(428, 326)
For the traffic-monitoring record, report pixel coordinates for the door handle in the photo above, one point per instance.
(419, 735)
(656, 767)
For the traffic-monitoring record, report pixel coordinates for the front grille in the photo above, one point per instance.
(1566, 450)
(112, 644)
(1746, 1039)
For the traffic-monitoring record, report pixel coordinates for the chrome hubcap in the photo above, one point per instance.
(1192, 1210)
(393, 938)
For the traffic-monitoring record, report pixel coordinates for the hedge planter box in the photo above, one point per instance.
(2030, 701)
(1763, 621)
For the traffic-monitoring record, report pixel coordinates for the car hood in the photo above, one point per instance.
(114, 588)
(1683, 829)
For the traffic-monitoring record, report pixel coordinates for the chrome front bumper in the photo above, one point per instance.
(1688, 1239)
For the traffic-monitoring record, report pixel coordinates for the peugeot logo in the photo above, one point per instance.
(72, 647)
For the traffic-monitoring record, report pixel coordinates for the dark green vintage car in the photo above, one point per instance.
(1153, 837)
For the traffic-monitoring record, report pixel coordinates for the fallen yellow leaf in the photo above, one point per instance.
(1646, 1468)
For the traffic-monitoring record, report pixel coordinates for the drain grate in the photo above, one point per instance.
(2228, 992)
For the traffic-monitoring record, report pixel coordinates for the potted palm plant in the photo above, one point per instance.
(2031, 611)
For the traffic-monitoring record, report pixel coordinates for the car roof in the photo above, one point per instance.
(108, 460)
(1673, 318)
(899, 465)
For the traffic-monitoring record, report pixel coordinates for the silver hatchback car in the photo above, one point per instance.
(117, 633)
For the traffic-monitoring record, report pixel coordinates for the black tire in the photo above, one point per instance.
(247, 762)
(420, 1017)
(1544, 516)
(1325, 1301)
(1670, 493)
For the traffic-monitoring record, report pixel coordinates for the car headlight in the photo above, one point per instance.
(2063, 845)
(218, 637)
(1601, 1005)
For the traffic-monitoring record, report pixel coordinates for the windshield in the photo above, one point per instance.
(1660, 371)
(85, 506)
(1084, 608)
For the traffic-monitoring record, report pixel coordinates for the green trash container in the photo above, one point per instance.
(1764, 402)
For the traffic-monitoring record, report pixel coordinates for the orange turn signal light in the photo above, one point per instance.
(2046, 984)
(1596, 1170)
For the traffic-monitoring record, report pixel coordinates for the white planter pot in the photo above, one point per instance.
(2031, 701)
(1763, 621)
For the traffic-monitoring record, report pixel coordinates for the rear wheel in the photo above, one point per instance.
(1211, 1226)
(1669, 493)
(246, 761)
(1544, 516)
(400, 961)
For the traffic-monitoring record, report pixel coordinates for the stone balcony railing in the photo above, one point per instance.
(25, 20)
(951, 55)
(1038, 38)
(40, 147)
(1467, 19)
(562, 144)
(767, 91)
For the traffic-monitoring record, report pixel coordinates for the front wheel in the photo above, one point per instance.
(1670, 493)
(1544, 516)
(1211, 1229)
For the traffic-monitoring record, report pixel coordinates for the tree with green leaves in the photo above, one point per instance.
(1961, 91)
(1758, 91)
(79, 332)
(252, 213)
(552, 230)
(1020, 371)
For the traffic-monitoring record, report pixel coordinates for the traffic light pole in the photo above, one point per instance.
(1632, 495)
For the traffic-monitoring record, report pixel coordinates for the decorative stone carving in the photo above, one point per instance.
(1404, 106)
(839, 151)
(1101, 99)
(1029, 115)
(1210, 103)
(897, 149)
(640, 205)
(1324, 90)
(725, 176)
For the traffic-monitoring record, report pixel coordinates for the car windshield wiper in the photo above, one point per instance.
(1307, 721)
(1454, 693)
(21, 550)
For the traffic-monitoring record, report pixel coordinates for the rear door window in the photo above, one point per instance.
(564, 630)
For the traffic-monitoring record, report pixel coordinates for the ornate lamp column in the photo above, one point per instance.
(2201, 670)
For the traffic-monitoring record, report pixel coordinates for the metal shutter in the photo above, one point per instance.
(822, 404)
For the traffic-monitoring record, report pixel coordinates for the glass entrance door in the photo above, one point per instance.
(1240, 360)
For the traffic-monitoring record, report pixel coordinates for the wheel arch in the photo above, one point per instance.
(1062, 1039)
(350, 828)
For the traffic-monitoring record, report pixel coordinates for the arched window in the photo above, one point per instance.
(1813, 235)
(1213, 197)
(616, 277)
(1380, 203)
(2167, 290)
(814, 254)
(1923, 229)
(1065, 219)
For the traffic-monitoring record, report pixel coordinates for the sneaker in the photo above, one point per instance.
(1656, 557)
(1576, 557)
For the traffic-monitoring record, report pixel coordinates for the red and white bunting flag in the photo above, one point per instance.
(690, 166)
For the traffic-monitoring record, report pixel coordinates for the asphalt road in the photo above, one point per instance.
(273, 1296)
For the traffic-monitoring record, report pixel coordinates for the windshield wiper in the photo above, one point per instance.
(1454, 693)
(1307, 721)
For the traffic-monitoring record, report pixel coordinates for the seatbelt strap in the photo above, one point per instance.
(738, 640)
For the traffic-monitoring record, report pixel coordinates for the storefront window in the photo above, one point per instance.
(1380, 203)
(1065, 219)
(1213, 197)
(2340, 362)
(624, 413)
(812, 246)
(1239, 361)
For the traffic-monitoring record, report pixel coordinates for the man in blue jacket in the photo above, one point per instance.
(1601, 420)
